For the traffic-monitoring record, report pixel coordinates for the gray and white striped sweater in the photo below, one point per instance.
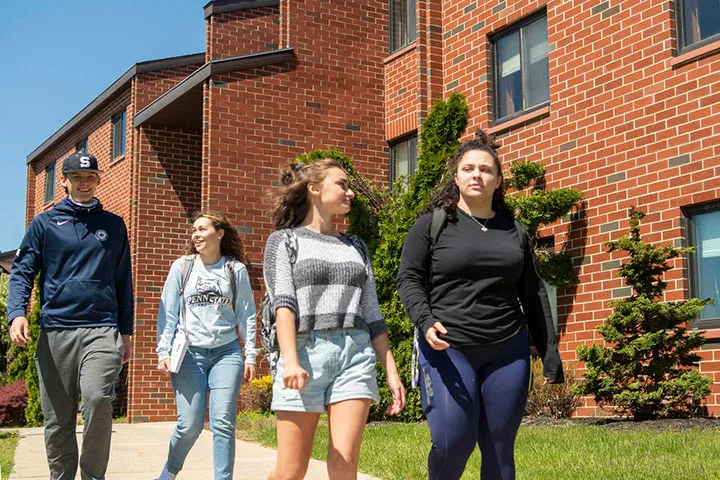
(327, 287)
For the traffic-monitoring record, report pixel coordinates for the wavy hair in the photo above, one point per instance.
(291, 198)
(449, 195)
(230, 244)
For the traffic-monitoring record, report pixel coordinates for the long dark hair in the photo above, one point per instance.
(449, 196)
(292, 202)
(230, 244)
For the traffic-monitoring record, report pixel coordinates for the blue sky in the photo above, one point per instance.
(57, 57)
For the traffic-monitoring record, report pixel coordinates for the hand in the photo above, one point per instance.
(20, 331)
(431, 337)
(398, 394)
(128, 350)
(249, 371)
(164, 365)
(294, 377)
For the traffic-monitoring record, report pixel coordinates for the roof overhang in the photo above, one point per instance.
(182, 105)
(222, 6)
(111, 91)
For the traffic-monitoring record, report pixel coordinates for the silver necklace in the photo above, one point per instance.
(482, 225)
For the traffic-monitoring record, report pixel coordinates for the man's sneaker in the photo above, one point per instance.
(165, 475)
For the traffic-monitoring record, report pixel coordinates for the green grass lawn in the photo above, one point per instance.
(8, 442)
(572, 452)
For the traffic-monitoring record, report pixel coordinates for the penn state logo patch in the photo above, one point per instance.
(101, 235)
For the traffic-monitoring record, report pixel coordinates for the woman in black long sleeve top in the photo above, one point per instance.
(473, 292)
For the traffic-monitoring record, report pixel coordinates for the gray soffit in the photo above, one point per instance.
(181, 106)
(222, 6)
(118, 85)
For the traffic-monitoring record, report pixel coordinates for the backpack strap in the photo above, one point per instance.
(291, 245)
(358, 244)
(187, 266)
(439, 220)
(230, 272)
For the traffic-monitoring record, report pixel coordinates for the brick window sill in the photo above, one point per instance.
(117, 160)
(711, 333)
(400, 52)
(696, 54)
(48, 205)
(530, 117)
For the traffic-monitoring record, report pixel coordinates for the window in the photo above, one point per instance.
(50, 183)
(82, 146)
(403, 30)
(704, 235)
(698, 22)
(522, 79)
(403, 158)
(118, 135)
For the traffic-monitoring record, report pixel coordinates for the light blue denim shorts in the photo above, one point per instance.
(341, 364)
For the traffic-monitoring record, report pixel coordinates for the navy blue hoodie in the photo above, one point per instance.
(83, 256)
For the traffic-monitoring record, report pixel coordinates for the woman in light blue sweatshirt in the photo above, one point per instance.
(207, 303)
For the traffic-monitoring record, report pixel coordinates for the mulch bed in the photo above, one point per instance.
(622, 424)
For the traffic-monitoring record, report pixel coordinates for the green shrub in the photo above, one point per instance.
(551, 400)
(648, 370)
(256, 395)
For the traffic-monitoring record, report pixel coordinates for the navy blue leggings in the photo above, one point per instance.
(474, 396)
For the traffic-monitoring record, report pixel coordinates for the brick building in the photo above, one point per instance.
(620, 99)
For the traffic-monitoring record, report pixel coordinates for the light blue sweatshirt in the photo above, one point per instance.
(210, 319)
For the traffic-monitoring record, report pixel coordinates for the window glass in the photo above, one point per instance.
(403, 158)
(537, 75)
(522, 70)
(118, 137)
(50, 183)
(403, 28)
(700, 20)
(706, 232)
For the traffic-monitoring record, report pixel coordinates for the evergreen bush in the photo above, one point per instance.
(647, 368)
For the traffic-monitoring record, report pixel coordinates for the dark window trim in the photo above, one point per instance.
(50, 181)
(410, 12)
(405, 138)
(113, 119)
(680, 30)
(495, 71)
(689, 213)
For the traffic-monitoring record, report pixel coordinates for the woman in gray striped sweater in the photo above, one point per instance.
(328, 321)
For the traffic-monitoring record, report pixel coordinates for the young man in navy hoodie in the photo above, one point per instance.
(83, 257)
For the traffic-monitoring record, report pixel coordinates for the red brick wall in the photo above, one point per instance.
(330, 97)
(168, 182)
(625, 126)
(243, 32)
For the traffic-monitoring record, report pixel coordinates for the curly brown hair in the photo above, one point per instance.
(449, 196)
(230, 245)
(291, 199)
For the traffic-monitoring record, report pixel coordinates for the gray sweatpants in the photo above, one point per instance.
(78, 362)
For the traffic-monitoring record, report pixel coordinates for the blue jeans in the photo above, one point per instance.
(218, 371)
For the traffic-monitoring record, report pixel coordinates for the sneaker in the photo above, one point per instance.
(166, 475)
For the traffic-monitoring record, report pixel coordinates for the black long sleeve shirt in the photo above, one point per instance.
(478, 281)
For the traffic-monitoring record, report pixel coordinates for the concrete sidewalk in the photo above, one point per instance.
(139, 451)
